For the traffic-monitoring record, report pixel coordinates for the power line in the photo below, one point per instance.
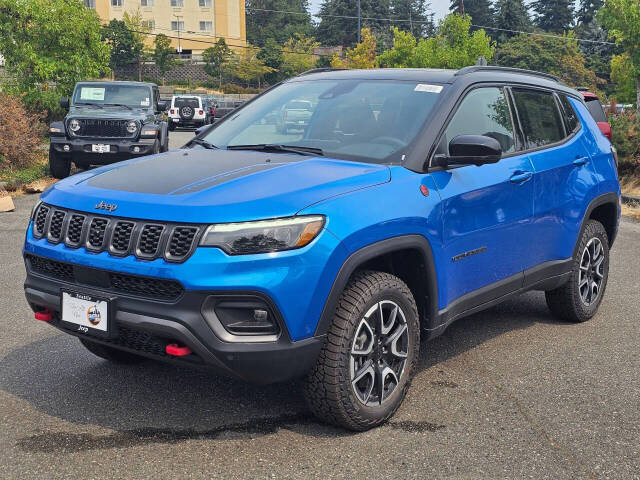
(407, 20)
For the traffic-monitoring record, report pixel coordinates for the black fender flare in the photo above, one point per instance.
(164, 136)
(611, 198)
(359, 257)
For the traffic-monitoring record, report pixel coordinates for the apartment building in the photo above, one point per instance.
(192, 25)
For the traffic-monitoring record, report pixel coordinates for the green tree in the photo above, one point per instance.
(622, 19)
(216, 59)
(271, 56)
(303, 58)
(276, 19)
(420, 22)
(480, 11)
(140, 31)
(363, 55)
(247, 67)
(163, 54)
(339, 25)
(452, 47)
(46, 42)
(559, 56)
(587, 9)
(553, 15)
(624, 75)
(511, 16)
(124, 48)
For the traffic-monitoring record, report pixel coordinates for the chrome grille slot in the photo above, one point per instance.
(97, 231)
(40, 222)
(149, 242)
(181, 242)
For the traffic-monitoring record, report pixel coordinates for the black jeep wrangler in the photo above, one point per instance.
(108, 122)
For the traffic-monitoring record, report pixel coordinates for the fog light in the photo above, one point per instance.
(232, 317)
(66, 148)
(136, 149)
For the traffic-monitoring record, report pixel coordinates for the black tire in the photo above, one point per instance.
(59, 166)
(172, 126)
(187, 112)
(111, 354)
(82, 165)
(156, 147)
(571, 301)
(328, 386)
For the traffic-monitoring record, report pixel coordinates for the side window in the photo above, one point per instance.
(484, 111)
(539, 117)
(570, 116)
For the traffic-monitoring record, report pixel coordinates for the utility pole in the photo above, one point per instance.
(178, 22)
(461, 7)
(358, 21)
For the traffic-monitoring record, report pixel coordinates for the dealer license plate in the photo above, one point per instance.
(85, 313)
(100, 148)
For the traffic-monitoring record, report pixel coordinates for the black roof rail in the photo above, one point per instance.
(320, 70)
(491, 68)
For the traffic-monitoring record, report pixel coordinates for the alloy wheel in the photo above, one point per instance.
(379, 353)
(591, 273)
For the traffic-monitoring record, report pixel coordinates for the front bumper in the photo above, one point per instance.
(145, 326)
(119, 148)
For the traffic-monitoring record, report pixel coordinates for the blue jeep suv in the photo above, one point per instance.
(408, 199)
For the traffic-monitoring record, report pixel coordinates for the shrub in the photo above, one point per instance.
(625, 129)
(20, 133)
(233, 88)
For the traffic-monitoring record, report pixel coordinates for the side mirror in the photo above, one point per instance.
(199, 130)
(471, 150)
(64, 103)
(162, 106)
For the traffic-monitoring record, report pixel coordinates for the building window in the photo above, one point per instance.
(204, 4)
(177, 3)
(177, 26)
(90, 3)
(147, 3)
(206, 26)
(117, 3)
(150, 24)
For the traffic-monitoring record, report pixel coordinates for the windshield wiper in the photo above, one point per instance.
(273, 147)
(204, 143)
(87, 103)
(117, 105)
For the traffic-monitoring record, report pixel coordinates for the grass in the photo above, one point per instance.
(630, 185)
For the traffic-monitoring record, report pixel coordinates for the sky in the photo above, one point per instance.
(439, 7)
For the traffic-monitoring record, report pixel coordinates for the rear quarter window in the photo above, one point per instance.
(539, 116)
(595, 109)
(570, 116)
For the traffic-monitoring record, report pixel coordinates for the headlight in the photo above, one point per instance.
(55, 130)
(149, 131)
(264, 235)
(74, 125)
(132, 126)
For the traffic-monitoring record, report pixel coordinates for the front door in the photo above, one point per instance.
(487, 211)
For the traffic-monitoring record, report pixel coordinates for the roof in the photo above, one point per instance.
(472, 74)
(120, 82)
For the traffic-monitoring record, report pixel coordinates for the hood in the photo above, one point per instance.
(109, 113)
(208, 186)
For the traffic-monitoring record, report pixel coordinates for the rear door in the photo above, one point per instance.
(564, 178)
(487, 210)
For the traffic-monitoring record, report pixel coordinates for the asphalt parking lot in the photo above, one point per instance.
(507, 393)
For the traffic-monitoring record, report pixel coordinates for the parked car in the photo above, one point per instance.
(594, 106)
(331, 255)
(107, 122)
(225, 107)
(186, 111)
(294, 115)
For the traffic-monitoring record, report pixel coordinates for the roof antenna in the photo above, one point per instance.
(481, 61)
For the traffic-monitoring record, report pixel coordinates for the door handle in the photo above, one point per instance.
(579, 161)
(520, 177)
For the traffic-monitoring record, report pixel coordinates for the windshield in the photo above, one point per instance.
(113, 93)
(364, 120)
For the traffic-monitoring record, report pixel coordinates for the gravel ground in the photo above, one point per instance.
(507, 393)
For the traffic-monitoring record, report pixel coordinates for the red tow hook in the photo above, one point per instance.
(43, 315)
(177, 350)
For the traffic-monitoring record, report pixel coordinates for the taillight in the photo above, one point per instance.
(201, 112)
(171, 111)
(213, 110)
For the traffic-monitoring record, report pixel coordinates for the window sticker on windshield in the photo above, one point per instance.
(91, 93)
(423, 87)
(145, 102)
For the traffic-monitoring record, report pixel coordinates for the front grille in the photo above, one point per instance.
(104, 129)
(55, 227)
(156, 288)
(119, 236)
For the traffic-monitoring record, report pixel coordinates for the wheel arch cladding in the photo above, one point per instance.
(409, 257)
(604, 209)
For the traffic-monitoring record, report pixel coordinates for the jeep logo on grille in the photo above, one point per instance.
(110, 207)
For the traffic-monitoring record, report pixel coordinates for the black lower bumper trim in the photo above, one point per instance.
(145, 327)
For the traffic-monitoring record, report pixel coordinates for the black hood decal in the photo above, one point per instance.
(187, 171)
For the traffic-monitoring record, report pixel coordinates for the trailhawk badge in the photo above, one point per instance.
(110, 207)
